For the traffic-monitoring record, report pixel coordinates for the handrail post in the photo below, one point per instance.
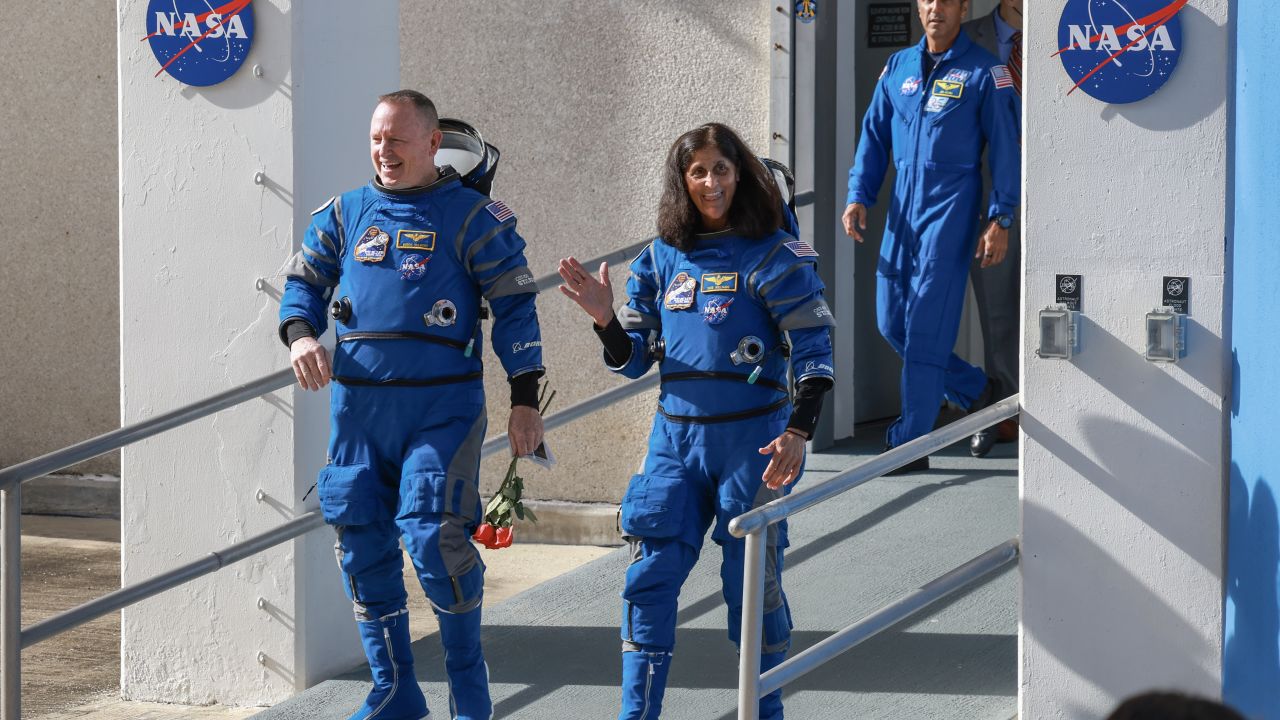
(11, 602)
(752, 626)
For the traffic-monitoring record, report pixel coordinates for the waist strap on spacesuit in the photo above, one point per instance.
(726, 417)
(720, 375)
(400, 382)
(369, 335)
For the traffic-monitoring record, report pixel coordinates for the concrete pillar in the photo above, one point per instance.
(1123, 460)
(197, 232)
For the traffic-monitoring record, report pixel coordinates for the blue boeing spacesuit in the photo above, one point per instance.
(410, 270)
(724, 321)
(933, 128)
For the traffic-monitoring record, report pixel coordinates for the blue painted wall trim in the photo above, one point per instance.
(1251, 661)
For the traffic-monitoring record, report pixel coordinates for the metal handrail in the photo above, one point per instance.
(895, 612)
(784, 507)
(124, 597)
(116, 439)
(753, 525)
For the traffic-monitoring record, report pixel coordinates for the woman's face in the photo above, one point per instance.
(711, 180)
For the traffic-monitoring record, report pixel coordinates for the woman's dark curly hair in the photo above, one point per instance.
(757, 205)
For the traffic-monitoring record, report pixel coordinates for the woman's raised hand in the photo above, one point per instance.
(593, 295)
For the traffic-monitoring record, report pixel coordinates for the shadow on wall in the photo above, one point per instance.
(1195, 82)
(1113, 610)
(1175, 462)
(1251, 659)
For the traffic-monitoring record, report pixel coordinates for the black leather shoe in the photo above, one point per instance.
(982, 442)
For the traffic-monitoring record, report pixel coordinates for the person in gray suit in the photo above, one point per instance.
(996, 286)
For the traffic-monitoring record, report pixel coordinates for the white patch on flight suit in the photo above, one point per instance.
(936, 103)
(960, 76)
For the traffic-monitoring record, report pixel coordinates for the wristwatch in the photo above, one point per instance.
(1004, 221)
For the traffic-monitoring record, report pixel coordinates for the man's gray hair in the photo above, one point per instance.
(423, 104)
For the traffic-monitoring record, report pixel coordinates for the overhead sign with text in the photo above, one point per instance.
(1120, 51)
(197, 42)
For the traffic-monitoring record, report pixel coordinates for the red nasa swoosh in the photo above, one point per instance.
(227, 12)
(1159, 17)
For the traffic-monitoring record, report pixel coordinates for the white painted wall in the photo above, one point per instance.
(1123, 460)
(196, 233)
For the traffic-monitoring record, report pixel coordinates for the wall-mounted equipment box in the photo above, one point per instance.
(1059, 333)
(1166, 335)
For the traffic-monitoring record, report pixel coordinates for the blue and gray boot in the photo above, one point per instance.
(395, 694)
(465, 666)
(644, 680)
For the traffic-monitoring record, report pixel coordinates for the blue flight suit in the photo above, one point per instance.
(933, 129)
(408, 409)
(704, 312)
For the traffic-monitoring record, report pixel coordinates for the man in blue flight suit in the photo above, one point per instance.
(935, 108)
(409, 261)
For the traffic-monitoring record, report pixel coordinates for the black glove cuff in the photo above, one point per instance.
(295, 328)
(616, 341)
(807, 407)
(524, 388)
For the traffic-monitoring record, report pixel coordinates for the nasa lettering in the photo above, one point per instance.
(197, 42)
(1120, 51)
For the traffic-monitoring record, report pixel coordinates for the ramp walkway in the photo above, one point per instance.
(553, 651)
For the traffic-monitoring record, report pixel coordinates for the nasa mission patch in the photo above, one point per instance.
(200, 42)
(1120, 51)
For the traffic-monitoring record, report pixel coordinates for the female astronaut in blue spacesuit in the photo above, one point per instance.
(723, 301)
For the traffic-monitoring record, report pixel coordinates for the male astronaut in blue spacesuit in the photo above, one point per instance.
(935, 107)
(724, 302)
(408, 261)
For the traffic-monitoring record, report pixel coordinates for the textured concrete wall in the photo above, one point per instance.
(59, 368)
(584, 100)
(1122, 459)
(197, 233)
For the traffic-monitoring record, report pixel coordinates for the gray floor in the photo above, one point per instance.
(553, 650)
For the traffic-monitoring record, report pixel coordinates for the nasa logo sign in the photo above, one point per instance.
(1120, 51)
(197, 42)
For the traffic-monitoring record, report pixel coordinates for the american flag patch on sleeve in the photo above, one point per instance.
(1000, 73)
(499, 211)
(800, 248)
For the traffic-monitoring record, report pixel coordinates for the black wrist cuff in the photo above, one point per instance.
(807, 407)
(524, 388)
(616, 341)
(294, 329)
